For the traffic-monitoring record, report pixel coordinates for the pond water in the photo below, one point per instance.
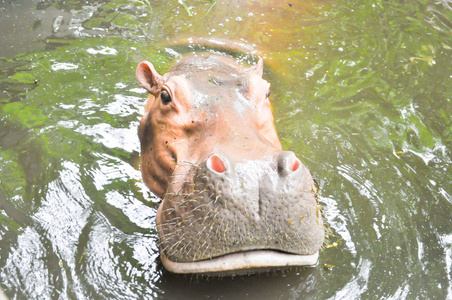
(361, 92)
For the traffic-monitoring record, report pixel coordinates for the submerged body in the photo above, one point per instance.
(233, 201)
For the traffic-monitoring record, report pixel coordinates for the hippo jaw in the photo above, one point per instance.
(229, 218)
(240, 263)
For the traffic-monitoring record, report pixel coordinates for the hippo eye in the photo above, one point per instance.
(166, 98)
(268, 94)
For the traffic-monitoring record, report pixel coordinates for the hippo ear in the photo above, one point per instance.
(258, 68)
(148, 77)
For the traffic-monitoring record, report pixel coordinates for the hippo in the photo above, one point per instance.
(233, 202)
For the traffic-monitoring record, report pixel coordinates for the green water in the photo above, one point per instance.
(361, 92)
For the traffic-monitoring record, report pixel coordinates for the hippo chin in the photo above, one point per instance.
(233, 201)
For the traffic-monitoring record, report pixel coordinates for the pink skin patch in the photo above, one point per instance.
(216, 163)
(296, 164)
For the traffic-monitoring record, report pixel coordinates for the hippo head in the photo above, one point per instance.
(233, 201)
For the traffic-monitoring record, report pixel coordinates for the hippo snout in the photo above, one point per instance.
(231, 207)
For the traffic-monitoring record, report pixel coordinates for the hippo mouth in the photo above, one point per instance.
(241, 263)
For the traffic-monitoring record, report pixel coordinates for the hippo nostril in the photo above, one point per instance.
(215, 163)
(287, 163)
(295, 164)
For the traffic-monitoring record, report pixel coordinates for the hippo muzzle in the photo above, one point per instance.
(232, 201)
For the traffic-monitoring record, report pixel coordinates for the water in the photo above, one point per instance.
(361, 92)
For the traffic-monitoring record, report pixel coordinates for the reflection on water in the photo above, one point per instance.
(361, 92)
